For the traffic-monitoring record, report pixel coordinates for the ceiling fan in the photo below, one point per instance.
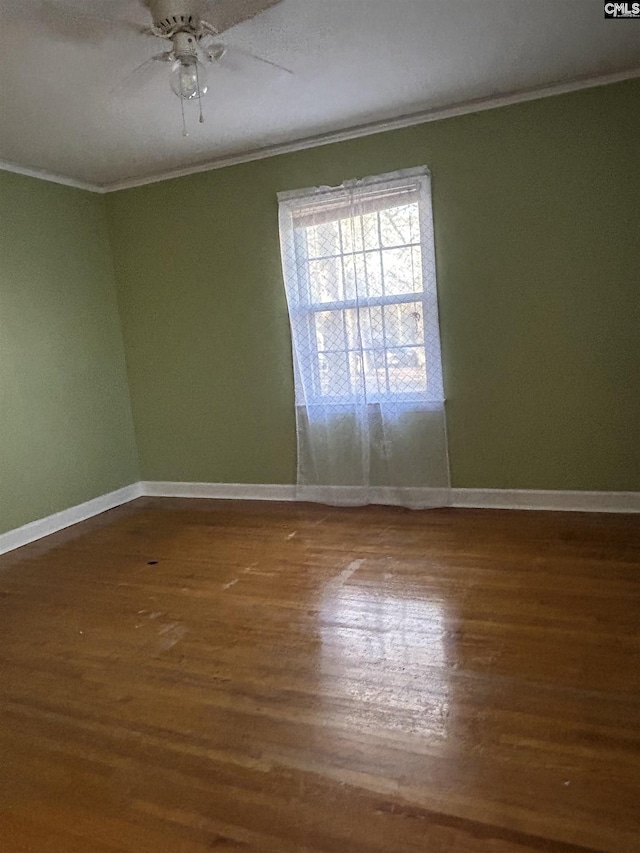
(192, 27)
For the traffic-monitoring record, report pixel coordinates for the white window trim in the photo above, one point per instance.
(291, 202)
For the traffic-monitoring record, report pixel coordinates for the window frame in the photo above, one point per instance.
(302, 309)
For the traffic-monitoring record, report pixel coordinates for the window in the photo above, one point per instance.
(359, 271)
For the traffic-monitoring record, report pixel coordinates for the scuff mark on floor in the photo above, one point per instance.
(251, 571)
(336, 583)
(230, 584)
(171, 635)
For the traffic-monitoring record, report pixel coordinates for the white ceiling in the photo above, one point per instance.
(355, 62)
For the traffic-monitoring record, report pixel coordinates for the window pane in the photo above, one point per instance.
(369, 230)
(373, 263)
(376, 326)
(323, 240)
(407, 370)
(352, 239)
(325, 277)
(334, 374)
(330, 331)
(362, 275)
(404, 324)
(356, 372)
(375, 372)
(364, 327)
(355, 276)
(402, 270)
(353, 321)
(399, 225)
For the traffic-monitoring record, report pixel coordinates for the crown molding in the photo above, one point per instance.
(51, 177)
(354, 132)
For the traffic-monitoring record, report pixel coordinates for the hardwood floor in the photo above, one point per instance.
(188, 676)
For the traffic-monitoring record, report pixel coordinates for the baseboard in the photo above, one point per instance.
(221, 491)
(547, 499)
(59, 520)
(340, 495)
(529, 499)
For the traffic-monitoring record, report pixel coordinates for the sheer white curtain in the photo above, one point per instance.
(359, 272)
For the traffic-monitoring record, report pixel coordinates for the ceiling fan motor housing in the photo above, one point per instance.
(171, 16)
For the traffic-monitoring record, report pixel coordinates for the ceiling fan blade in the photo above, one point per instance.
(67, 22)
(224, 14)
(140, 74)
(216, 51)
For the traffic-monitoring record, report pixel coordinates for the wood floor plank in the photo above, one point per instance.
(194, 675)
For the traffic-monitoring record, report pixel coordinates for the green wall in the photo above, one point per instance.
(537, 215)
(537, 238)
(65, 420)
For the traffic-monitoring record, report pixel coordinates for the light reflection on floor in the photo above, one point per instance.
(384, 658)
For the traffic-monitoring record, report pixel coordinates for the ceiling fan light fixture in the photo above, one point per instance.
(188, 78)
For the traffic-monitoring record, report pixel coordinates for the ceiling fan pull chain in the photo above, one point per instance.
(184, 124)
(201, 119)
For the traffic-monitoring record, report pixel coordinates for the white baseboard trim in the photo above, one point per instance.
(533, 499)
(220, 491)
(59, 520)
(339, 495)
(529, 499)
(542, 499)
